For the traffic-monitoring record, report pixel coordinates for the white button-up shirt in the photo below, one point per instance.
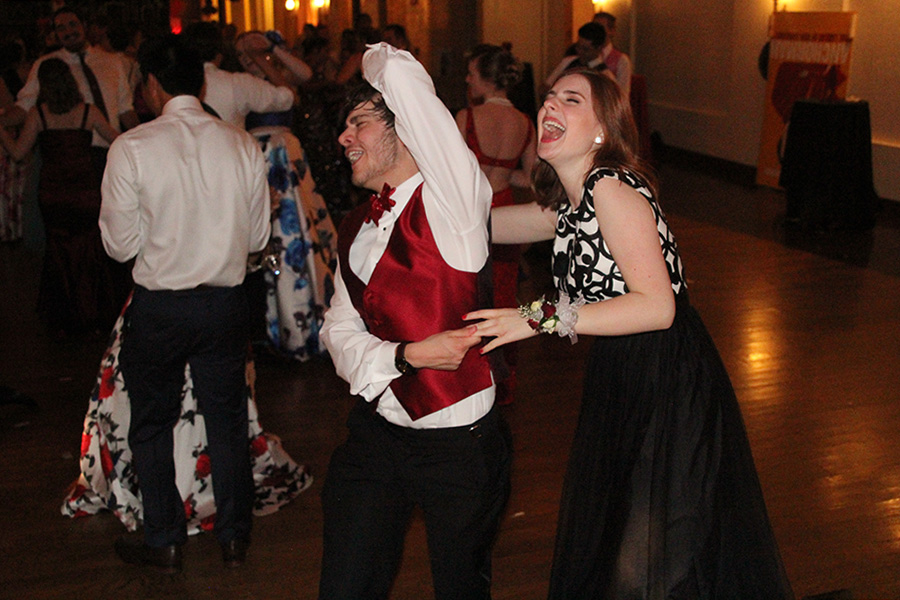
(457, 199)
(186, 194)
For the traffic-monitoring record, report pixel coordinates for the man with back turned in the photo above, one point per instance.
(186, 196)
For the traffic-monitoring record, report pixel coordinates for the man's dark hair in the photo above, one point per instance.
(360, 94)
(176, 66)
(398, 30)
(205, 37)
(66, 9)
(594, 33)
(608, 16)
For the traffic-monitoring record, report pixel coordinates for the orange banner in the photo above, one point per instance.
(809, 57)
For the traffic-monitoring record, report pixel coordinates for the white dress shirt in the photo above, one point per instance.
(112, 77)
(187, 195)
(457, 198)
(233, 95)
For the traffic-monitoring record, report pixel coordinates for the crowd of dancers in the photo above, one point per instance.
(661, 497)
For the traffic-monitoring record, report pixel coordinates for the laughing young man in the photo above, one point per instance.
(425, 431)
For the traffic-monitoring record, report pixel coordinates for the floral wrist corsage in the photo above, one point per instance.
(547, 317)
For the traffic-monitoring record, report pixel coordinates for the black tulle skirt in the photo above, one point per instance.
(661, 499)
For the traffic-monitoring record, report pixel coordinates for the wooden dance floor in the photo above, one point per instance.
(808, 324)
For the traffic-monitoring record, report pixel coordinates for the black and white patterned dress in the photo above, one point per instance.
(661, 498)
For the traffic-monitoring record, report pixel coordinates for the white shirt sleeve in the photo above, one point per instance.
(27, 96)
(120, 216)
(253, 94)
(366, 362)
(456, 193)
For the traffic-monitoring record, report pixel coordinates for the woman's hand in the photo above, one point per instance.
(505, 325)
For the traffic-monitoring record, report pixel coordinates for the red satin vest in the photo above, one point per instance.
(412, 294)
(612, 61)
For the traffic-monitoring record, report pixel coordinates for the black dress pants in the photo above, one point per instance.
(458, 476)
(164, 331)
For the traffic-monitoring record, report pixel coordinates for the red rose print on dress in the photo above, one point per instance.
(203, 467)
(77, 492)
(107, 382)
(85, 443)
(259, 446)
(208, 523)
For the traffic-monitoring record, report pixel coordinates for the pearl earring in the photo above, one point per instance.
(599, 139)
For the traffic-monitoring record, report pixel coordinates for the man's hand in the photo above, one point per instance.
(442, 351)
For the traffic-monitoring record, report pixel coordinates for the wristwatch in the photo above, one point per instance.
(400, 360)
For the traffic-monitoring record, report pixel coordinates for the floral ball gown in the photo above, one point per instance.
(108, 480)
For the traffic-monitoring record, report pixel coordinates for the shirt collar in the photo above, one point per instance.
(596, 62)
(87, 50)
(402, 194)
(182, 102)
(405, 190)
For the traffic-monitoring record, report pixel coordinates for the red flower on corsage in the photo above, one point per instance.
(203, 467)
(540, 315)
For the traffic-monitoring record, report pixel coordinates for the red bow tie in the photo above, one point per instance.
(379, 203)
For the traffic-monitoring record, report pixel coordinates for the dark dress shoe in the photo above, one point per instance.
(167, 559)
(234, 553)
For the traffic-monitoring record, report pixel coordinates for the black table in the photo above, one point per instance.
(827, 166)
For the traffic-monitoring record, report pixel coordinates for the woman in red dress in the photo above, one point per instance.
(503, 140)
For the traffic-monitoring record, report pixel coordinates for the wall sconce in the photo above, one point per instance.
(319, 3)
(290, 4)
(598, 4)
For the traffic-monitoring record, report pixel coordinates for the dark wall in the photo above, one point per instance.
(455, 29)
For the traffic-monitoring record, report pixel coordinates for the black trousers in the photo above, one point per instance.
(458, 476)
(164, 331)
